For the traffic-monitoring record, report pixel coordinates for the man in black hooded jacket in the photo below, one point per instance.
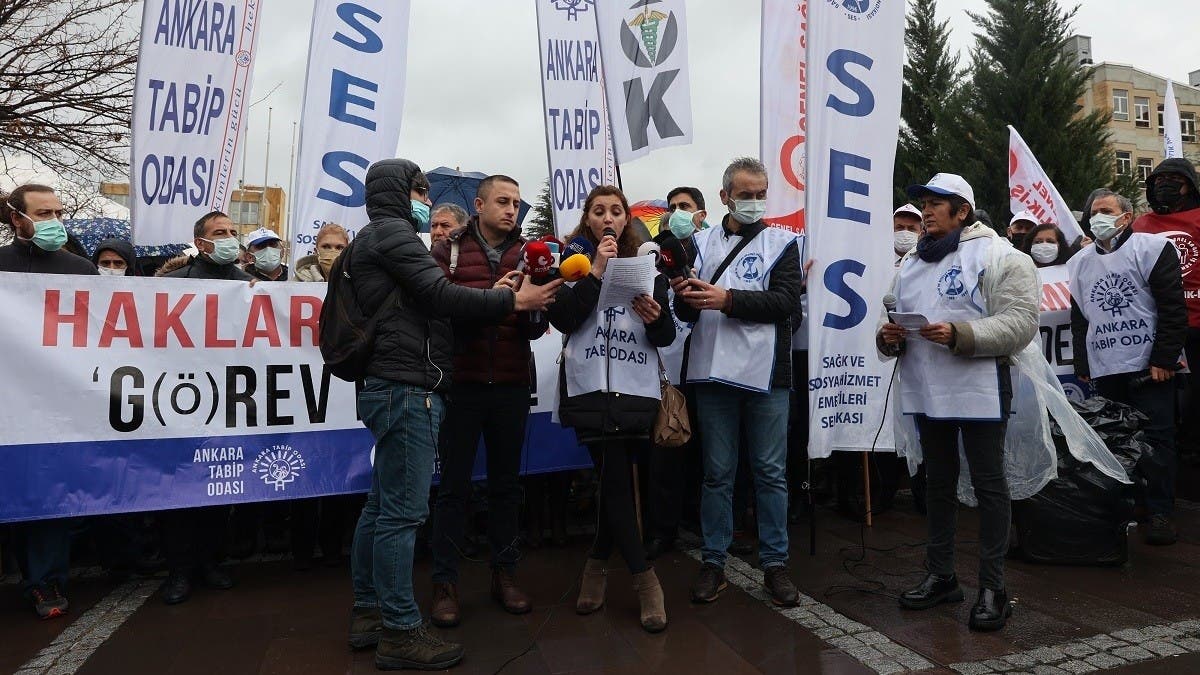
(401, 402)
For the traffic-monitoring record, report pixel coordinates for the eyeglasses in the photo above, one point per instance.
(421, 191)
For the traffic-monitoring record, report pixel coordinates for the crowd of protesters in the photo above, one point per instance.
(464, 355)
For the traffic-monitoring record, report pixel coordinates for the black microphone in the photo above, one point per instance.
(609, 232)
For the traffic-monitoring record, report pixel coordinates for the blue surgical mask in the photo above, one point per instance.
(48, 235)
(681, 224)
(225, 251)
(267, 259)
(420, 211)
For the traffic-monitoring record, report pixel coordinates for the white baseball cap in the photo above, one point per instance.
(1024, 215)
(260, 236)
(910, 210)
(945, 184)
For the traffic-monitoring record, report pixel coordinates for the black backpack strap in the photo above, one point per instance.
(732, 254)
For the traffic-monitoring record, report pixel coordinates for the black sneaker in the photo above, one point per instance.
(933, 591)
(47, 602)
(779, 586)
(177, 588)
(1162, 531)
(416, 648)
(709, 583)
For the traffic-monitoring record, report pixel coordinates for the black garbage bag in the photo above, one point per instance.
(1082, 517)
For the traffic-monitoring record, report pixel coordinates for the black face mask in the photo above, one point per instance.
(1167, 197)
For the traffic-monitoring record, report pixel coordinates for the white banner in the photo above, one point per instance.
(782, 112)
(1055, 330)
(1029, 188)
(855, 57)
(645, 57)
(1172, 131)
(578, 138)
(353, 104)
(193, 74)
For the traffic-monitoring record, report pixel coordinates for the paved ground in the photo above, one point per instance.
(1144, 618)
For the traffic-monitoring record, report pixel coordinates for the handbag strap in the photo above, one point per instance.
(732, 254)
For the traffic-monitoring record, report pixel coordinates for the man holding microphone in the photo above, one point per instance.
(978, 297)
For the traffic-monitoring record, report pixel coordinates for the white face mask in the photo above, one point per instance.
(904, 240)
(1104, 225)
(1045, 252)
(110, 272)
(747, 211)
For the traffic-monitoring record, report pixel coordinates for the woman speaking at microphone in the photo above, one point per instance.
(979, 299)
(609, 393)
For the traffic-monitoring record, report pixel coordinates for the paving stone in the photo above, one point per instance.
(41, 660)
(1104, 642)
(1188, 643)
(971, 668)
(1159, 631)
(1048, 670)
(845, 642)
(890, 648)
(1191, 626)
(884, 666)
(1020, 659)
(812, 623)
(1078, 650)
(1164, 648)
(1104, 661)
(1048, 655)
(912, 661)
(796, 613)
(1077, 667)
(873, 637)
(1132, 635)
(827, 633)
(864, 653)
(1132, 653)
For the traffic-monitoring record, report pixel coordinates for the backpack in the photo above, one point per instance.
(347, 333)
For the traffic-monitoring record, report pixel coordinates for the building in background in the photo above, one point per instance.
(249, 208)
(1134, 101)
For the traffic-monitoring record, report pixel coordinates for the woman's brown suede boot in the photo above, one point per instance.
(650, 598)
(591, 587)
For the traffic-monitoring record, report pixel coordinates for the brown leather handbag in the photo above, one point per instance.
(672, 427)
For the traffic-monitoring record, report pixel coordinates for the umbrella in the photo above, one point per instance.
(92, 231)
(458, 187)
(650, 212)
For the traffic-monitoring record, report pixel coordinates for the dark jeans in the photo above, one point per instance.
(1157, 401)
(43, 551)
(497, 412)
(983, 444)
(194, 538)
(616, 517)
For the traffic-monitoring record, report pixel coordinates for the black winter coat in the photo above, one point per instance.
(604, 414)
(200, 267)
(778, 304)
(413, 340)
(21, 256)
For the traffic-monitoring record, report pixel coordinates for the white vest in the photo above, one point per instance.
(733, 351)
(934, 382)
(611, 352)
(672, 354)
(1113, 293)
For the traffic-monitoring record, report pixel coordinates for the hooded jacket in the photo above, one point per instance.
(308, 269)
(413, 339)
(1181, 167)
(200, 267)
(486, 352)
(22, 256)
(122, 248)
(1181, 227)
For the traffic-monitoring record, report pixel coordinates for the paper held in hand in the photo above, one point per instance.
(625, 279)
(911, 322)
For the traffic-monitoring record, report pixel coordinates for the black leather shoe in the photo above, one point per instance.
(217, 578)
(658, 546)
(709, 583)
(933, 591)
(176, 589)
(779, 587)
(991, 610)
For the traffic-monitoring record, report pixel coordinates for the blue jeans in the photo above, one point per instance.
(404, 421)
(43, 550)
(723, 410)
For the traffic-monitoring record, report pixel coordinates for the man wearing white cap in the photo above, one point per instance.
(906, 229)
(1020, 225)
(267, 250)
(979, 299)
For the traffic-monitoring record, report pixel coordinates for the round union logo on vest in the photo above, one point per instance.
(278, 465)
(950, 284)
(1188, 251)
(1113, 293)
(749, 268)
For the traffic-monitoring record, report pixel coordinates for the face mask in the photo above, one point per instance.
(747, 211)
(225, 251)
(420, 211)
(48, 235)
(325, 258)
(904, 240)
(1167, 194)
(681, 224)
(1104, 225)
(110, 272)
(1045, 253)
(267, 259)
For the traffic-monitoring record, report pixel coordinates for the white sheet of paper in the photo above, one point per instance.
(909, 321)
(625, 279)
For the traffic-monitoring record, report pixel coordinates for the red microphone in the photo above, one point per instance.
(537, 260)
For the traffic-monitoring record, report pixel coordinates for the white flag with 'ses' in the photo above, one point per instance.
(1172, 131)
(1030, 189)
(645, 54)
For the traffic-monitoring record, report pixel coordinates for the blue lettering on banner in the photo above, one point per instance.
(340, 97)
(578, 129)
(332, 164)
(370, 42)
(166, 179)
(835, 281)
(576, 60)
(201, 106)
(839, 185)
(199, 25)
(837, 61)
(571, 186)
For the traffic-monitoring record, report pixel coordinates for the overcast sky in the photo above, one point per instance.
(474, 96)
